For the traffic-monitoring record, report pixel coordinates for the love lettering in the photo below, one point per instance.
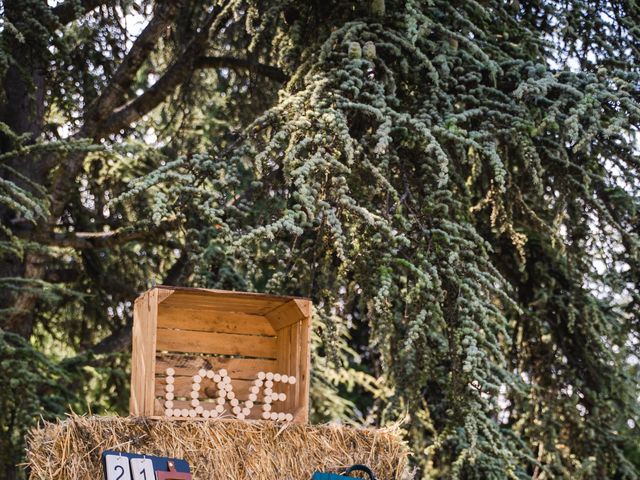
(264, 381)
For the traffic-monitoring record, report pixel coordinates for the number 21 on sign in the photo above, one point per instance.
(118, 468)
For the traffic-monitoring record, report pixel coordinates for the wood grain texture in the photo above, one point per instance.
(163, 294)
(227, 302)
(197, 291)
(302, 416)
(296, 366)
(137, 366)
(207, 320)
(286, 314)
(285, 362)
(150, 351)
(220, 343)
(143, 354)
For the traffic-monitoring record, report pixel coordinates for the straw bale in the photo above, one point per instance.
(215, 449)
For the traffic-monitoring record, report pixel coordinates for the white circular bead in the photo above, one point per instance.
(197, 378)
(170, 380)
(267, 400)
(281, 416)
(266, 415)
(177, 412)
(199, 409)
(221, 400)
(169, 396)
(253, 397)
(192, 413)
(184, 412)
(195, 402)
(219, 408)
(195, 387)
(222, 372)
(236, 410)
(274, 416)
(222, 393)
(282, 397)
(255, 390)
(292, 380)
(266, 407)
(194, 394)
(210, 374)
(231, 395)
(169, 388)
(268, 392)
(276, 377)
(168, 412)
(234, 402)
(202, 373)
(168, 404)
(240, 416)
(289, 417)
(261, 375)
(268, 384)
(284, 379)
(258, 383)
(216, 378)
(269, 376)
(248, 404)
(246, 411)
(206, 413)
(170, 371)
(228, 387)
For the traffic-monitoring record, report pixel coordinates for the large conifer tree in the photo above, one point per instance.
(455, 184)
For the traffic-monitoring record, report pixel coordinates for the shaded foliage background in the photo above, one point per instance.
(455, 185)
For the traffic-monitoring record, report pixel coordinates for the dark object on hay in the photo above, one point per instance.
(335, 476)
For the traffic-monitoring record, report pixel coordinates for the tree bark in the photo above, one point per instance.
(23, 111)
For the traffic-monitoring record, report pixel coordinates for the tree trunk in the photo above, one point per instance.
(23, 111)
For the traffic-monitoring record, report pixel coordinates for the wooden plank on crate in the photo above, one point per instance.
(222, 303)
(284, 361)
(241, 368)
(228, 302)
(305, 369)
(295, 364)
(136, 400)
(226, 293)
(163, 294)
(150, 310)
(215, 343)
(158, 406)
(143, 355)
(182, 387)
(291, 350)
(287, 313)
(207, 320)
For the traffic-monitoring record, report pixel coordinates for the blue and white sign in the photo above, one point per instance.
(132, 466)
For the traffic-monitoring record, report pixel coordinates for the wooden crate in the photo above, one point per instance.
(188, 329)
